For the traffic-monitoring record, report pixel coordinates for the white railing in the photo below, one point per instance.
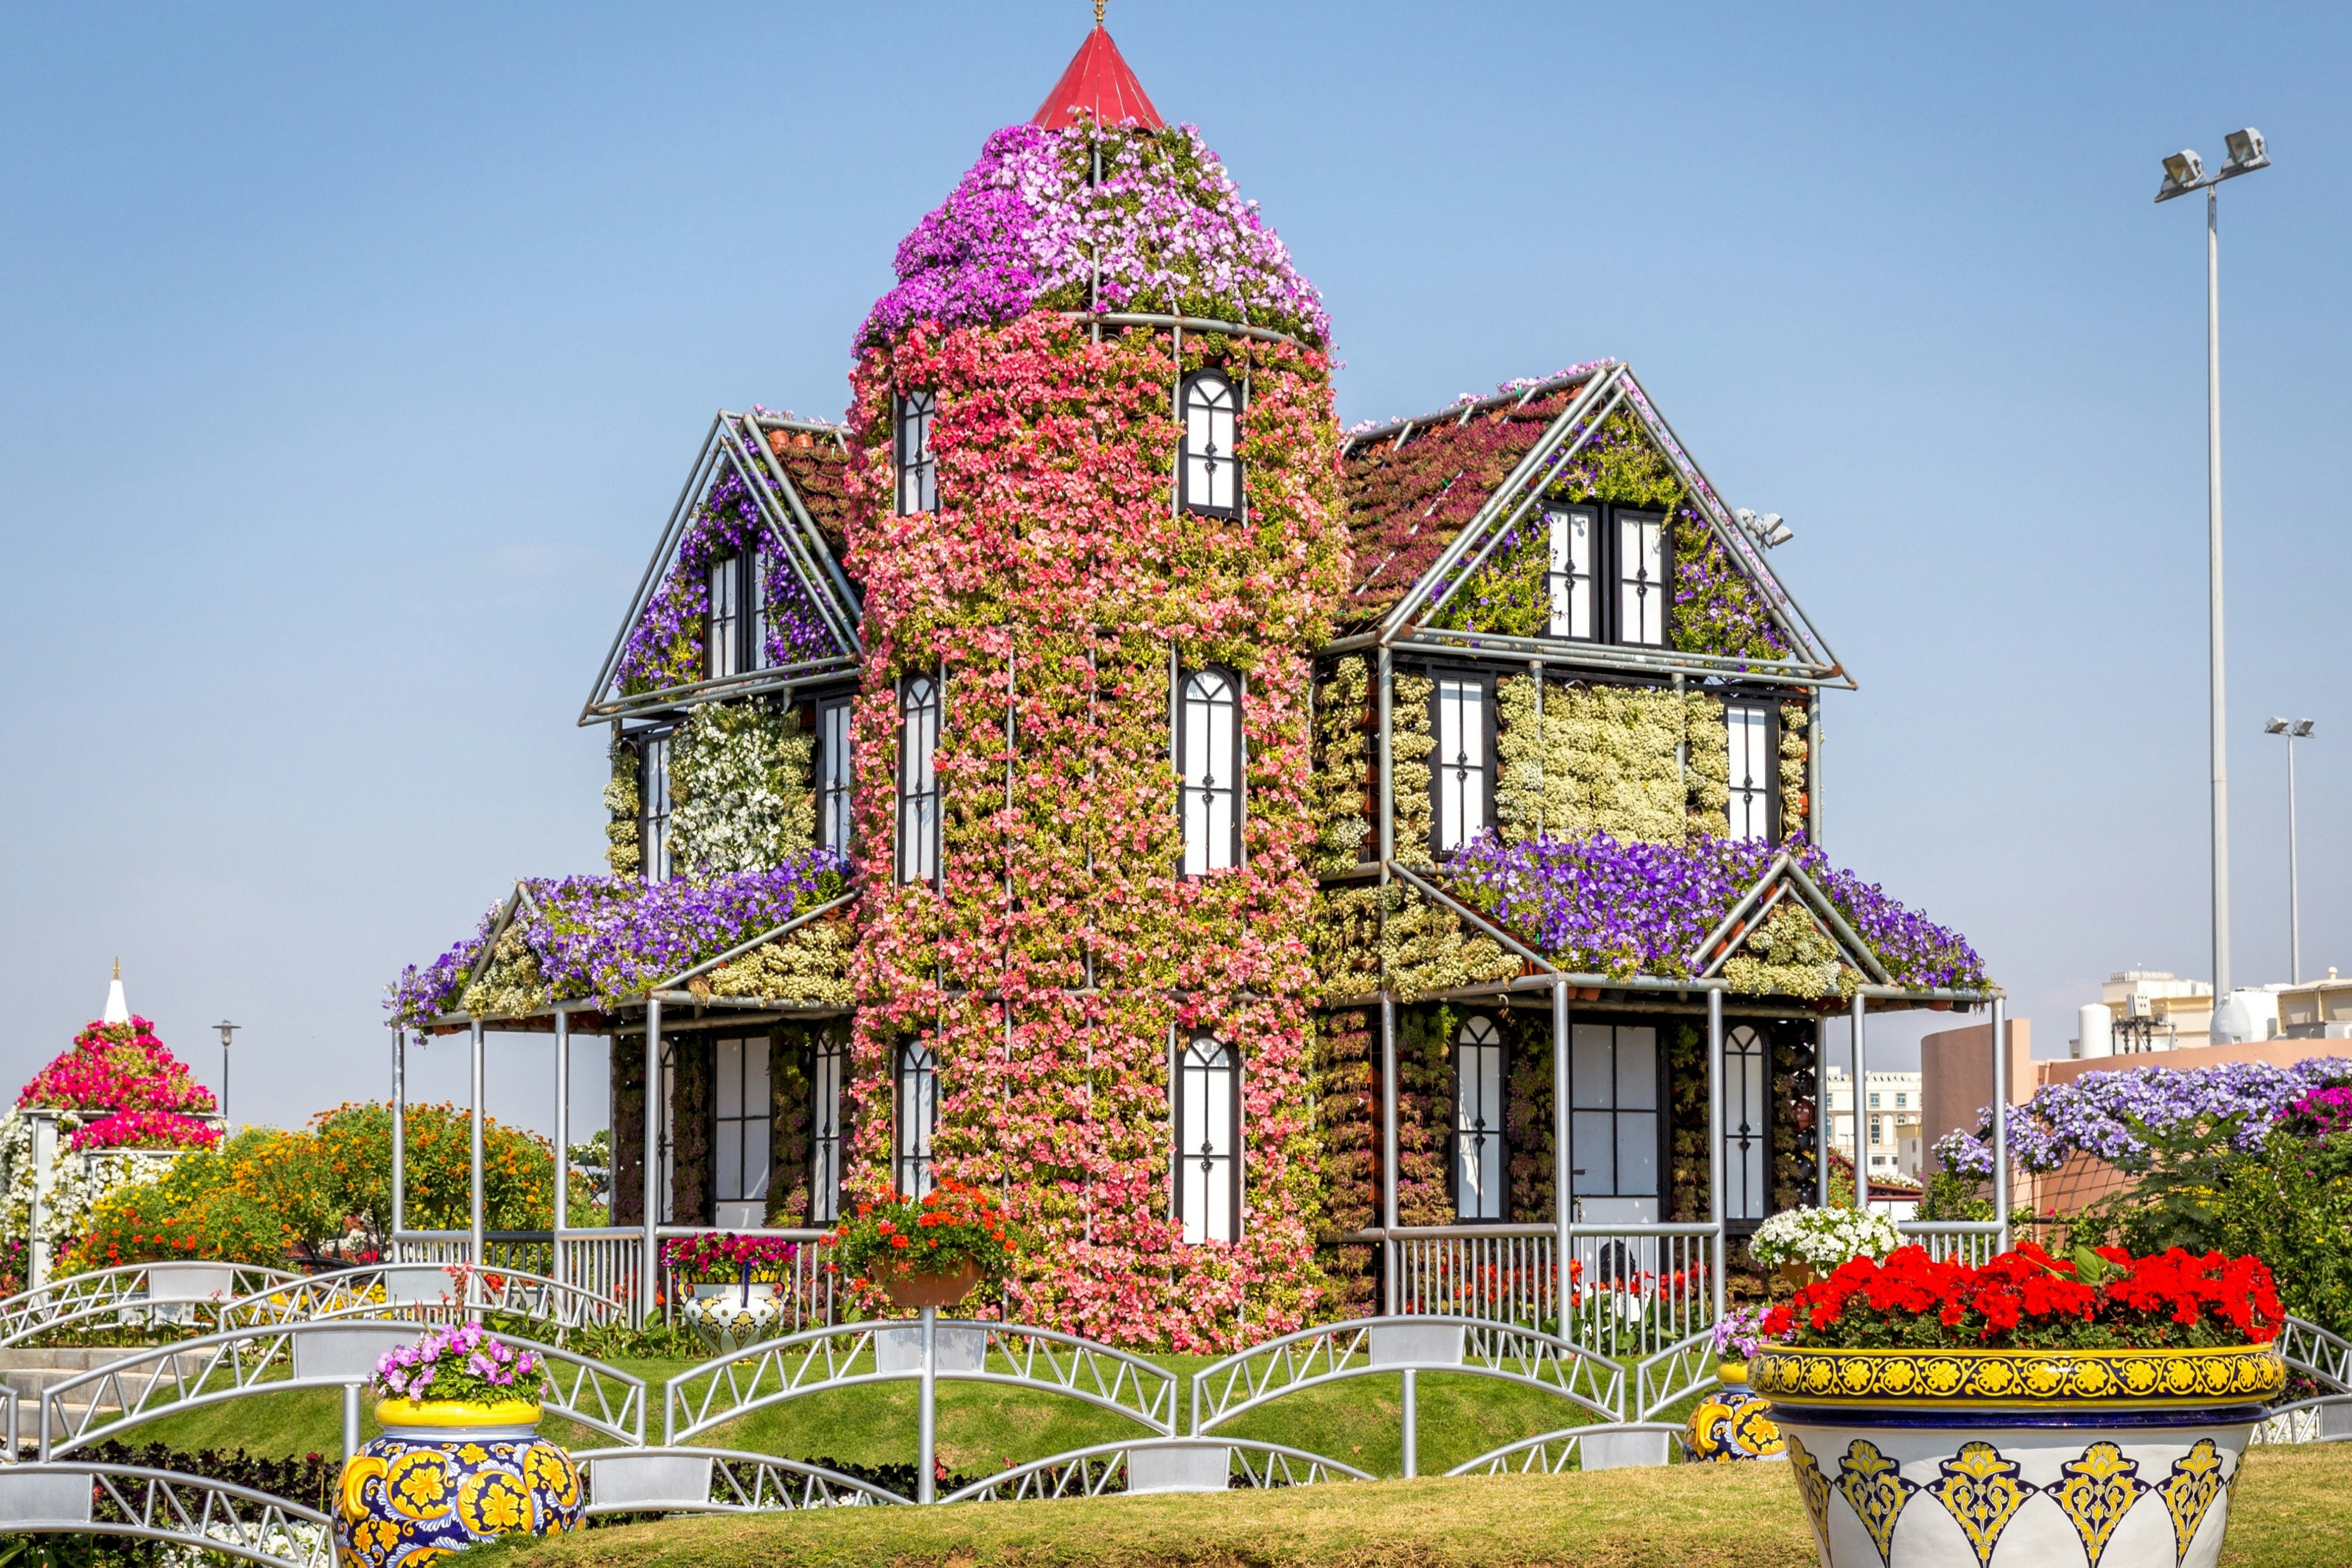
(1504, 1274)
(1968, 1241)
(1636, 1290)
(609, 1262)
(805, 1296)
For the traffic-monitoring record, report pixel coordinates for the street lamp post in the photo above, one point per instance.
(2185, 172)
(2299, 730)
(227, 1028)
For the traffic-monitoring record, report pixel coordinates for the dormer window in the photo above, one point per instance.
(834, 759)
(1209, 767)
(732, 631)
(1210, 471)
(653, 798)
(1575, 532)
(1642, 588)
(919, 486)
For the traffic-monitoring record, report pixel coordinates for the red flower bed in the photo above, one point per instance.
(2027, 1300)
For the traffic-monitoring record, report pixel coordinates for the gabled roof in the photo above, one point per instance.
(792, 470)
(1786, 884)
(1429, 499)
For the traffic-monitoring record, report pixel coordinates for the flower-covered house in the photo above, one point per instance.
(1257, 850)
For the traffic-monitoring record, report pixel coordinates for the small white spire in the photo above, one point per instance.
(117, 1010)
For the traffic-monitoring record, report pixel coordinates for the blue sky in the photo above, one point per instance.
(350, 358)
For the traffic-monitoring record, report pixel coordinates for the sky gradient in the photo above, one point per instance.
(352, 357)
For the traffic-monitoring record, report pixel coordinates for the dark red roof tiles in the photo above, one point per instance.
(817, 464)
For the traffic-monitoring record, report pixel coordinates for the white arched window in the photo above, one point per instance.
(1211, 470)
(1481, 1159)
(1754, 762)
(919, 482)
(1209, 770)
(918, 781)
(1747, 1125)
(918, 1117)
(1208, 1141)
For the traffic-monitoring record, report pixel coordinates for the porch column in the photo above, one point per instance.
(1861, 1109)
(1388, 1146)
(2000, 1120)
(474, 1134)
(1563, 1188)
(562, 1140)
(399, 1138)
(1715, 1145)
(1822, 1112)
(649, 1268)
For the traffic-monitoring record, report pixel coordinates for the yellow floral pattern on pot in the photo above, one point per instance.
(1875, 1490)
(404, 1502)
(2196, 1482)
(1981, 1492)
(1812, 1485)
(2098, 1491)
(2229, 1374)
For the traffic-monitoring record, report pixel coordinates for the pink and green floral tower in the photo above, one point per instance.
(1093, 499)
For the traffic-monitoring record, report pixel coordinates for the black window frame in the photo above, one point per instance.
(654, 863)
(1608, 573)
(1210, 460)
(1236, 758)
(746, 635)
(913, 1165)
(1660, 1109)
(1437, 675)
(1761, 1136)
(825, 1141)
(1179, 1129)
(836, 771)
(911, 852)
(912, 416)
(1769, 707)
(765, 1116)
(1500, 1137)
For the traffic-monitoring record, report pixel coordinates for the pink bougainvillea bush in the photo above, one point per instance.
(123, 1068)
(1057, 588)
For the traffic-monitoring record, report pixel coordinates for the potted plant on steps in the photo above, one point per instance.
(460, 1459)
(925, 1252)
(1803, 1243)
(2033, 1410)
(732, 1284)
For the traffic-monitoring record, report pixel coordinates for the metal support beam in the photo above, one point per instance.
(474, 1192)
(2001, 1119)
(1715, 1144)
(927, 1432)
(562, 1138)
(1861, 1104)
(649, 1280)
(399, 1130)
(351, 1421)
(1412, 1415)
(1563, 1188)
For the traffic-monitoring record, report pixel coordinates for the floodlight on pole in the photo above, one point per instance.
(227, 1028)
(2298, 731)
(2185, 172)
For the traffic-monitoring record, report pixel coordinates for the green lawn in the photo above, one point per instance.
(2287, 1513)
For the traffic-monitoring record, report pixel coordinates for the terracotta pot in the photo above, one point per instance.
(1796, 1276)
(912, 1290)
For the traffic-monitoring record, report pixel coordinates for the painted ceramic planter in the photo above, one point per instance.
(445, 1476)
(1732, 1422)
(728, 1317)
(2017, 1458)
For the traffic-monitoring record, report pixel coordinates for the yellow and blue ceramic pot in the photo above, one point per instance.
(1731, 1422)
(1998, 1459)
(446, 1475)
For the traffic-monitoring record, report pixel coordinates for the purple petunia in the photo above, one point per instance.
(2100, 1113)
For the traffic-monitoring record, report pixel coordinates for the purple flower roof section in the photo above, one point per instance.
(1164, 230)
(664, 649)
(2103, 1113)
(1621, 907)
(607, 937)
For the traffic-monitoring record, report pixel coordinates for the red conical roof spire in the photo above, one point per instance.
(1097, 82)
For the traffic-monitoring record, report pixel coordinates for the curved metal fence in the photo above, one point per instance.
(132, 1293)
(716, 1480)
(165, 1506)
(1158, 1465)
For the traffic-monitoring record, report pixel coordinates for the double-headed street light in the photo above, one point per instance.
(2299, 730)
(2185, 172)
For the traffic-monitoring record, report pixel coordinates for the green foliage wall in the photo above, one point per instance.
(1636, 762)
(1346, 1125)
(624, 852)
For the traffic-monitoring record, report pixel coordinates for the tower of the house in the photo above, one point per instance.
(1094, 517)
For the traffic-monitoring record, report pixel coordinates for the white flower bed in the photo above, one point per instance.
(1823, 1238)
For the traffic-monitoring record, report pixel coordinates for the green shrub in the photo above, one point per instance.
(2291, 1204)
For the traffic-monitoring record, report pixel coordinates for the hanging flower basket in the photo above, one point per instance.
(905, 1288)
(925, 1252)
(2030, 1411)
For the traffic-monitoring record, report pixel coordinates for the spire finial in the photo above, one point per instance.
(1098, 10)
(118, 966)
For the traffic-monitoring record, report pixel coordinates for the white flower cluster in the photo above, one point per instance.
(741, 796)
(1823, 1238)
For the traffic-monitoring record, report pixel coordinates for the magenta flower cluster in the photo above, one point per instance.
(1031, 227)
(462, 1364)
(2104, 1114)
(2322, 1113)
(665, 648)
(145, 1130)
(615, 937)
(1599, 904)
